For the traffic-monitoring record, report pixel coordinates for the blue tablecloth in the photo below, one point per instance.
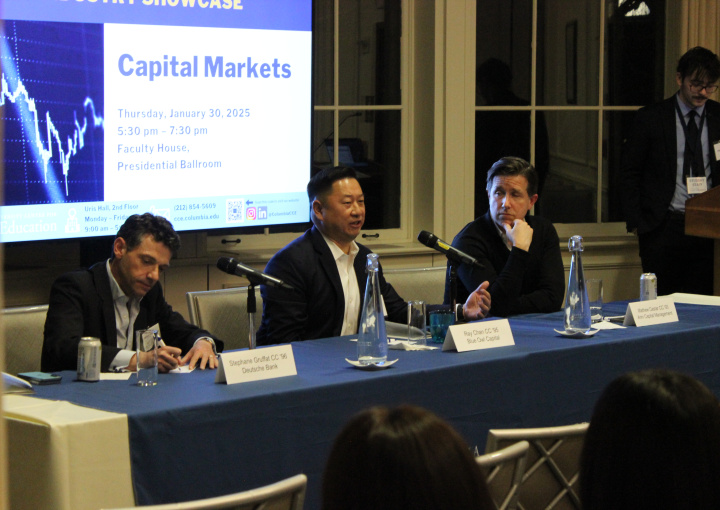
(191, 438)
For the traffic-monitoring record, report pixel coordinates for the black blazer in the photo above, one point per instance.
(316, 305)
(81, 304)
(649, 163)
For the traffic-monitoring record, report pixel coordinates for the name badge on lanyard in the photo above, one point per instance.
(696, 185)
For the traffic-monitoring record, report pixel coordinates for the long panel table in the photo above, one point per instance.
(191, 438)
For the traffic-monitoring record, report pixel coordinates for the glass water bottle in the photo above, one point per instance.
(372, 342)
(577, 305)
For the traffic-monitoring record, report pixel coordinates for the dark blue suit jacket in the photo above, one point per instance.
(316, 305)
(649, 163)
(81, 304)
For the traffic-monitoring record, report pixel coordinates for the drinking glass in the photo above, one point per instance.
(416, 323)
(440, 321)
(146, 346)
(594, 288)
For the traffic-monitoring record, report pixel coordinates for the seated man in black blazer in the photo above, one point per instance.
(114, 298)
(520, 252)
(326, 269)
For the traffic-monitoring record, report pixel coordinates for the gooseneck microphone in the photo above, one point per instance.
(232, 266)
(434, 242)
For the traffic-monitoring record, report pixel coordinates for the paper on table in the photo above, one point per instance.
(12, 384)
(115, 376)
(607, 325)
(184, 369)
(405, 345)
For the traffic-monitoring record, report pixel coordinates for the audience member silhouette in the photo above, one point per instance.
(402, 458)
(653, 443)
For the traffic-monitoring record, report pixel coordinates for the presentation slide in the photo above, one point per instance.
(196, 110)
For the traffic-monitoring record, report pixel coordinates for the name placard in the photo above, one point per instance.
(479, 335)
(647, 313)
(256, 364)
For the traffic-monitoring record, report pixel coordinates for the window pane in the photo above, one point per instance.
(634, 53)
(370, 52)
(570, 192)
(323, 61)
(500, 133)
(568, 52)
(616, 128)
(369, 142)
(322, 138)
(504, 31)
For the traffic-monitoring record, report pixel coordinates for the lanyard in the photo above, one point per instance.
(698, 140)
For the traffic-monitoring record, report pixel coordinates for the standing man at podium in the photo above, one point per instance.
(670, 156)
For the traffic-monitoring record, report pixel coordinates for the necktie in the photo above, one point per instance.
(693, 161)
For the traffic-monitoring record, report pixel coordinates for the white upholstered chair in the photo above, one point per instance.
(504, 470)
(23, 327)
(224, 314)
(553, 464)
(426, 283)
(288, 494)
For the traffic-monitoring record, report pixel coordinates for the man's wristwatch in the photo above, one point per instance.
(212, 342)
(459, 314)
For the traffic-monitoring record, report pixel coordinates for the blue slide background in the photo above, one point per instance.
(60, 65)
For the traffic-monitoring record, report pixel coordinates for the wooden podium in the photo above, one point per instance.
(702, 219)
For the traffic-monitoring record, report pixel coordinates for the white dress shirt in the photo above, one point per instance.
(124, 319)
(351, 290)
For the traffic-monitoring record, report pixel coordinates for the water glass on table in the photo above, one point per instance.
(146, 346)
(440, 321)
(416, 323)
(594, 288)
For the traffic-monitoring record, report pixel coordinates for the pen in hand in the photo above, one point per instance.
(161, 343)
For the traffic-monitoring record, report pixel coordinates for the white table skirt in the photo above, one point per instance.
(65, 456)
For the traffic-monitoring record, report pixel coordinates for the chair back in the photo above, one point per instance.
(24, 326)
(224, 314)
(553, 464)
(288, 494)
(426, 283)
(504, 470)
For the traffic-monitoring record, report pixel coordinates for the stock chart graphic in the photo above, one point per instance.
(52, 97)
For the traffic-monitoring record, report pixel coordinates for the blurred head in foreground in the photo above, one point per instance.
(653, 442)
(402, 458)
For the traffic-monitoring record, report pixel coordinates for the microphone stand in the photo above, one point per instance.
(251, 309)
(453, 284)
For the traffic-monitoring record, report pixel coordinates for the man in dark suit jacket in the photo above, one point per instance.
(520, 253)
(326, 270)
(655, 173)
(104, 300)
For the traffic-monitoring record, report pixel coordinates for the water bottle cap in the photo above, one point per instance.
(575, 243)
(373, 262)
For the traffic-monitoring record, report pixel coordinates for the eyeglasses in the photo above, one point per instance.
(697, 86)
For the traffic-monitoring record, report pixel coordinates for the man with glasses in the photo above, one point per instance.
(670, 156)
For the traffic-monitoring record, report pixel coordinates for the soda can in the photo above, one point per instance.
(648, 286)
(88, 365)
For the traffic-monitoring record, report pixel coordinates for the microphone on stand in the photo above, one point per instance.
(232, 266)
(434, 242)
